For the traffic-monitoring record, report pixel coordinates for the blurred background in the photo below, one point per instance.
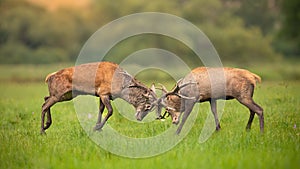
(261, 35)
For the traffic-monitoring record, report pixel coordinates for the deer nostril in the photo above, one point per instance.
(175, 120)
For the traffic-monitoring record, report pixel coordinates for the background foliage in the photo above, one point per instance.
(242, 31)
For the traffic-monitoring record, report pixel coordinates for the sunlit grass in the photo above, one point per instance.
(66, 144)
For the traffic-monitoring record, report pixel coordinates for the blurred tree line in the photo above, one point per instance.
(242, 31)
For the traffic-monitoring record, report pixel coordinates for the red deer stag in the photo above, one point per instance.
(105, 80)
(198, 87)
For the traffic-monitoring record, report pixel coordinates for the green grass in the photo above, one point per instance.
(66, 144)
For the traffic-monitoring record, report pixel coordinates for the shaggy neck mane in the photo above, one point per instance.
(134, 96)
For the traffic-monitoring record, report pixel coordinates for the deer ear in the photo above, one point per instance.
(153, 88)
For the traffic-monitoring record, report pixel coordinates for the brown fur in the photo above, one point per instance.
(103, 79)
(48, 76)
(207, 84)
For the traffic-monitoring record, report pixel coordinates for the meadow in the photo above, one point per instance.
(66, 144)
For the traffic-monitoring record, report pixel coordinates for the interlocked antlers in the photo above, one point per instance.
(166, 93)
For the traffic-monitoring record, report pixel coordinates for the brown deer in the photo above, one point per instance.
(210, 84)
(105, 80)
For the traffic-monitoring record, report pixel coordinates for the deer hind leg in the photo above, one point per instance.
(49, 119)
(213, 106)
(254, 108)
(252, 113)
(106, 101)
(260, 113)
(49, 101)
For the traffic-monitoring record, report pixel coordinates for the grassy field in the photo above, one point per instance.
(66, 145)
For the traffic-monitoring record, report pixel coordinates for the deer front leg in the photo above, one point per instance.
(101, 109)
(188, 109)
(106, 102)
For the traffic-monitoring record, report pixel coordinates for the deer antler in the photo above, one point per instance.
(175, 90)
(163, 88)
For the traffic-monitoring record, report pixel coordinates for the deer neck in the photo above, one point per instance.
(133, 96)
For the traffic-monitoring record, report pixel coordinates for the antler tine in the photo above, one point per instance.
(178, 81)
(176, 87)
(164, 89)
(166, 92)
(186, 84)
(158, 88)
(185, 97)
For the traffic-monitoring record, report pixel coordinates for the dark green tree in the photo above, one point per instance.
(289, 33)
(32, 34)
(261, 13)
